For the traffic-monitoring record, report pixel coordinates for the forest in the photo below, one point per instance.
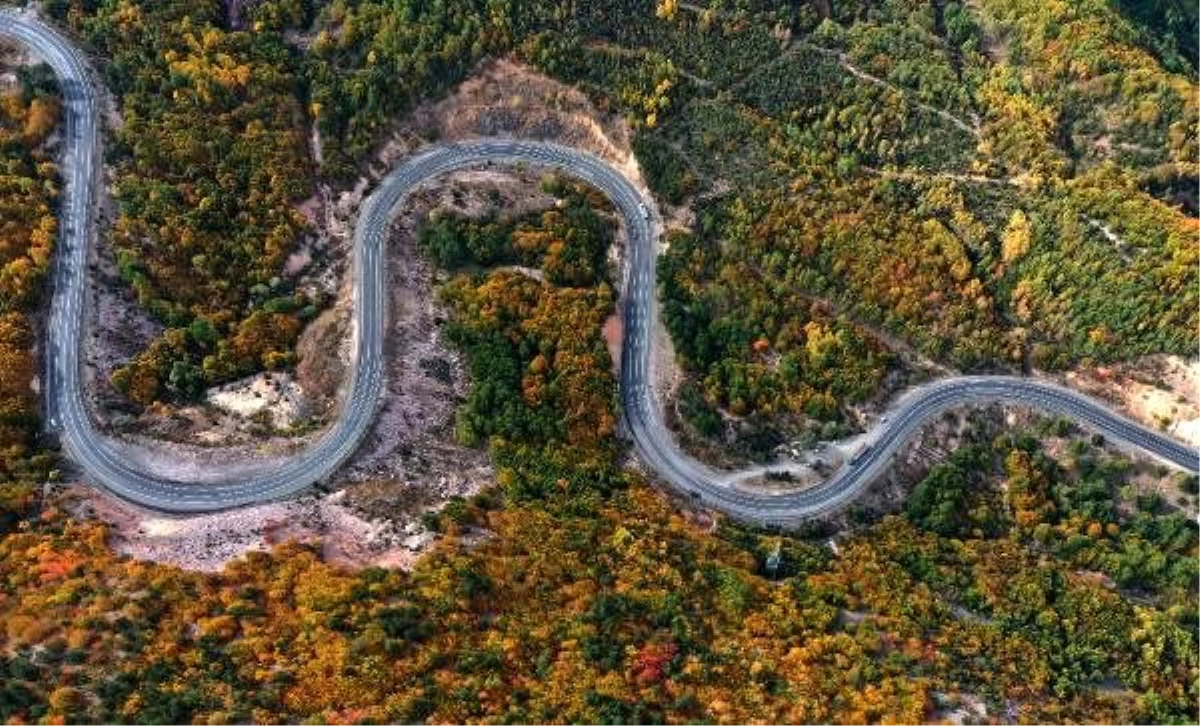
(805, 359)
(999, 211)
(1168, 28)
(1031, 575)
(29, 116)
(543, 395)
(209, 162)
(1007, 186)
(1010, 191)
(1058, 592)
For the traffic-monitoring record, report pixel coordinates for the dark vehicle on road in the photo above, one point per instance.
(857, 458)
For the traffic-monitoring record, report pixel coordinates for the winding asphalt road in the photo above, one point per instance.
(102, 462)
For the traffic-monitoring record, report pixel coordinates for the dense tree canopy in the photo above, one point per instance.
(29, 115)
(865, 157)
(617, 608)
(210, 159)
(1003, 185)
(543, 394)
(998, 183)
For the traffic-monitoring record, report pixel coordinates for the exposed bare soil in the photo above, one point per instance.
(272, 398)
(409, 463)
(509, 99)
(207, 542)
(504, 98)
(933, 445)
(1161, 391)
(12, 55)
(412, 437)
(727, 450)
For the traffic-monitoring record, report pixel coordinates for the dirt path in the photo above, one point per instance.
(846, 64)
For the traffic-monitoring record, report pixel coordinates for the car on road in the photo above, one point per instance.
(272, 480)
(857, 458)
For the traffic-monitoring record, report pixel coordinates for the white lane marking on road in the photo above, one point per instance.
(318, 461)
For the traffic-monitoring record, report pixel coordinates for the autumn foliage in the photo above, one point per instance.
(543, 393)
(209, 163)
(612, 609)
(29, 114)
(1032, 575)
